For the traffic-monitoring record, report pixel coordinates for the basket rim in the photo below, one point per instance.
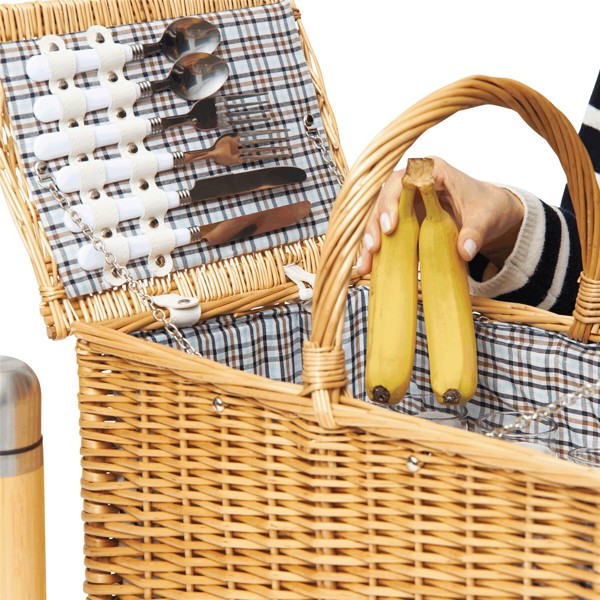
(349, 412)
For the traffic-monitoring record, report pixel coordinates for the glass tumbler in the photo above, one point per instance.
(538, 435)
(427, 407)
(590, 457)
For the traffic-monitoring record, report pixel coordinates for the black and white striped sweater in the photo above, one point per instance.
(545, 264)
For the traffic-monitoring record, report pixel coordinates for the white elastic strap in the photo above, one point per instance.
(73, 105)
(104, 208)
(61, 61)
(303, 279)
(81, 141)
(105, 214)
(162, 243)
(111, 56)
(62, 64)
(131, 130)
(183, 311)
(155, 204)
(91, 176)
(119, 248)
(123, 94)
(144, 166)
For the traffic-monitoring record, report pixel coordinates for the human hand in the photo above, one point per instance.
(488, 217)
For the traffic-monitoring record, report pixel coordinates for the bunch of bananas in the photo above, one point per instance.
(393, 297)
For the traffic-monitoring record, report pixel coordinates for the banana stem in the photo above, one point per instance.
(419, 174)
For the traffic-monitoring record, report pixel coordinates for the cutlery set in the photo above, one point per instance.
(215, 112)
(181, 36)
(197, 75)
(207, 188)
(193, 77)
(229, 149)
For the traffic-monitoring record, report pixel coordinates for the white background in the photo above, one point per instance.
(377, 58)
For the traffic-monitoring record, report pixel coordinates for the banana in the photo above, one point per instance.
(392, 318)
(447, 307)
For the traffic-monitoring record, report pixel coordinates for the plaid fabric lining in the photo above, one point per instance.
(520, 367)
(263, 50)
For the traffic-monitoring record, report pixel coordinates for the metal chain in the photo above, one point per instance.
(318, 140)
(47, 181)
(548, 410)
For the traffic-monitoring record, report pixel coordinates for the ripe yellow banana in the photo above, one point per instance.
(447, 307)
(393, 293)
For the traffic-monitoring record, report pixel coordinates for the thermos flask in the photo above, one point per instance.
(22, 535)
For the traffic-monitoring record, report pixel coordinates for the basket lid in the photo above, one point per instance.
(280, 100)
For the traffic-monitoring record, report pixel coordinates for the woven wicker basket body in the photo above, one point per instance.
(203, 482)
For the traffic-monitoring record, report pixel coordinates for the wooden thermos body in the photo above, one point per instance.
(22, 531)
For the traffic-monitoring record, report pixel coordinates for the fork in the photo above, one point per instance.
(236, 149)
(229, 149)
(216, 112)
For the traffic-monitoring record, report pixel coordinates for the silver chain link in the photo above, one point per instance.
(549, 410)
(319, 141)
(47, 181)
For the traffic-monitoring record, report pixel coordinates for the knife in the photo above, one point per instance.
(229, 230)
(207, 188)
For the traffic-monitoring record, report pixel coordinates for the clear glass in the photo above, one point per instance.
(590, 457)
(427, 407)
(538, 435)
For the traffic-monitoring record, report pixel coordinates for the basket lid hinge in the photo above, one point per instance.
(303, 279)
(183, 310)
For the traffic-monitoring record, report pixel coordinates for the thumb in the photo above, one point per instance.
(470, 240)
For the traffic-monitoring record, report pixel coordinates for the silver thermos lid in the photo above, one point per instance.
(20, 418)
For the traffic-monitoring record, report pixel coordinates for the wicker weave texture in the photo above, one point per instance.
(204, 482)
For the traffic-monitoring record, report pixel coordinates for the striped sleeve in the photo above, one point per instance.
(544, 267)
(545, 263)
(590, 136)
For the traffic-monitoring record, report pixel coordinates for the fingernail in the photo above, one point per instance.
(470, 248)
(368, 241)
(359, 262)
(385, 222)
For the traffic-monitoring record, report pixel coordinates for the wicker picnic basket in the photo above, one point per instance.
(203, 481)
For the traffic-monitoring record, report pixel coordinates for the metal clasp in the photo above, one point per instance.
(309, 123)
(43, 173)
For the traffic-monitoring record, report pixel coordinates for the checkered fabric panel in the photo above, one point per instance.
(263, 51)
(520, 367)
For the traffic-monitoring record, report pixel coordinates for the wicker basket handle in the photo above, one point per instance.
(323, 360)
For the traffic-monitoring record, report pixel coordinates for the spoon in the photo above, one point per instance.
(181, 36)
(193, 77)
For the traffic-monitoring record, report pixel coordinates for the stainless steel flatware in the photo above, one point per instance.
(203, 190)
(237, 111)
(230, 149)
(194, 76)
(218, 112)
(239, 148)
(182, 36)
(229, 230)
